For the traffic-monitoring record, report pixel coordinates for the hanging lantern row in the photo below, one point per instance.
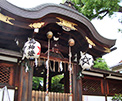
(32, 50)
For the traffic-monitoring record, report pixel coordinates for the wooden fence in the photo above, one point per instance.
(53, 96)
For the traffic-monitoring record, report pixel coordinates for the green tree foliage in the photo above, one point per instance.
(36, 82)
(97, 8)
(56, 86)
(117, 97)
(101, 64)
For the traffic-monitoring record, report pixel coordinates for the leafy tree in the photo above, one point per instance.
(97, 8)
(36, 83)
(101, 64)
(55, 85)
(117, 97)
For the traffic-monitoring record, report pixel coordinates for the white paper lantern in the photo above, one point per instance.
(86, 61)
(31, 49)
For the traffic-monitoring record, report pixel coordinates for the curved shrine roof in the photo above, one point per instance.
(52, 16)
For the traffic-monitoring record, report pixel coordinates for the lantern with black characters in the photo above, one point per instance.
(32, 50)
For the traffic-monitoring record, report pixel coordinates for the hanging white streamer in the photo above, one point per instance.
(70, 67)
(5, 96)
(75, 58)
(46, 64)
(36, 62)
(2, 89)
(61, 66)
(26, 69)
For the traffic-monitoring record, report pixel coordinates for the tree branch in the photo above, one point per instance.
(105, 14)
(103, 11)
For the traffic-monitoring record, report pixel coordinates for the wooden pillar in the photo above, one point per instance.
(66, 79)
(66, 82)
(79, 90)
(105, 97)
(17, 73)
(50, 77)
(25, 86)
(105, 85)
(77, 84)
(44, 85)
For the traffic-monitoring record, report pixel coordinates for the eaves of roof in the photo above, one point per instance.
(49, 8)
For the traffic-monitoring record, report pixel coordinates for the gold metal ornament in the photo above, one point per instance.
(6, 19)
(89, 41)
(37, 25)
(66, 23)
(107, 50)
(49, 35)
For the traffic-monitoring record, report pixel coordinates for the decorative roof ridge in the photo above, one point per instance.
(48, 8)
(69, 4)
(41, 6)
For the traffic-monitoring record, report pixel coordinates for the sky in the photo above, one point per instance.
(108, 28)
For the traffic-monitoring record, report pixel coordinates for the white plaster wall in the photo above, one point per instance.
(95, 98)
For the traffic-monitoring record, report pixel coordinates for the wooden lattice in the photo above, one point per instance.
(4, 74)
(115, 87)
(91, 86)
